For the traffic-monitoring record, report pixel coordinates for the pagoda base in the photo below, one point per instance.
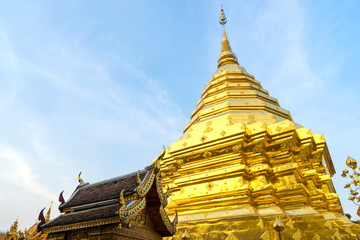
(314, 226)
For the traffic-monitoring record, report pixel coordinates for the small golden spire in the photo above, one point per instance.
(226, 55)
(47, 217)
(13, 229)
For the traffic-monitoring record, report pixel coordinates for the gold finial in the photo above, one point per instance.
(222, 17)
(79, 178)
(226, 55)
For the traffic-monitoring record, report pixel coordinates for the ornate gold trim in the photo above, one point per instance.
(162, 196)
(171, 226)
(128, 213)
(79, 225)
(145, 185)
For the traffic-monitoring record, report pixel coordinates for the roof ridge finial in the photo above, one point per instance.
(80, 179)
(226, 55)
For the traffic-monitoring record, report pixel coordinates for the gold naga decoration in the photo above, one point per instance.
(128, 213)
(354, 185)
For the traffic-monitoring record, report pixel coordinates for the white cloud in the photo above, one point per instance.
(65, 111)
(19, 173)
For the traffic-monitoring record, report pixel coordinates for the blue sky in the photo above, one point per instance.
(100, 86)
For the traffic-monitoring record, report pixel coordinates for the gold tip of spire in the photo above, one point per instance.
(226, 55)
(222, 17)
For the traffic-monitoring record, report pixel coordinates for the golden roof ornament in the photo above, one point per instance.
(80, 179)
(138, 179)
(122, 199)
(226, 55)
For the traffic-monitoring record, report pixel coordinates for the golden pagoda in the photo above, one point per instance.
(13, 233)
(31, 233)
(243, 169)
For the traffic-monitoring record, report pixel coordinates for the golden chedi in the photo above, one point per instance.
(31, 233)
(242, 163)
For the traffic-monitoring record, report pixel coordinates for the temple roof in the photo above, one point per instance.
(117, 200)
(86, 215)
(98, 200)
(92, 193)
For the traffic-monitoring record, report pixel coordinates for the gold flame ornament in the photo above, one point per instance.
(354, 184)
(80, 179)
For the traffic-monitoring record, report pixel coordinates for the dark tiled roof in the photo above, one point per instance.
(105, 190)
(91, 202)
(86, 215)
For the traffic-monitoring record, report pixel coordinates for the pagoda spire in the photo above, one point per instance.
(226, 55)
(47, 217)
